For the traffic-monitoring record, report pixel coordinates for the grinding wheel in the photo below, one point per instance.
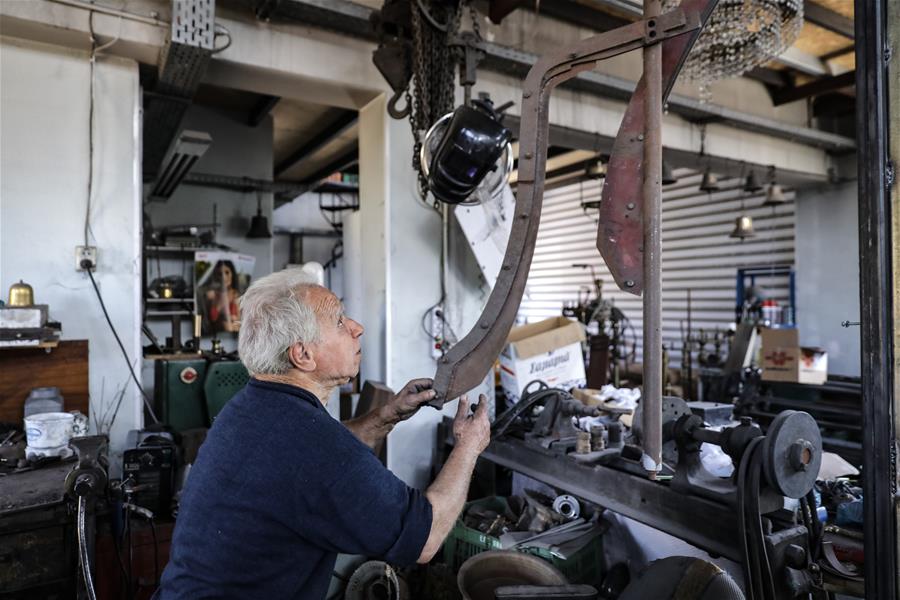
(792, 453)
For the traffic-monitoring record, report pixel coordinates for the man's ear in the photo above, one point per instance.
(301, 357)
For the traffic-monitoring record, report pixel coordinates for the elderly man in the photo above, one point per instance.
(280, 488)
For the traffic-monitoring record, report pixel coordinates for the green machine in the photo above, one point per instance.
(190, 392)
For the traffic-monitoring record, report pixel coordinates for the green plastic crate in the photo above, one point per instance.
(464, 542)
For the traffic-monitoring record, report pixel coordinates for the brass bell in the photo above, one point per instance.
(743, 228)
(774, 195)
(752, 184)
(709, 183)
(21, 294)
(595, 170)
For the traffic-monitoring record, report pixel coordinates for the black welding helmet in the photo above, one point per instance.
(472, 143)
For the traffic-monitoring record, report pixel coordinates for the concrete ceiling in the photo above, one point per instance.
(294, 124)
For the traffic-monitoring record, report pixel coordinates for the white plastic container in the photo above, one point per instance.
(46, 431)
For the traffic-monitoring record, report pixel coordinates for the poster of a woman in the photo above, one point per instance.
(221, 279)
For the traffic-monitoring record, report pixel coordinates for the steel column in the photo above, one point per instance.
(651, 397)
(877, 294)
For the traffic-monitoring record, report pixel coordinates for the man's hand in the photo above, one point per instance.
(448, 492)
(408, 400)
(472, 431)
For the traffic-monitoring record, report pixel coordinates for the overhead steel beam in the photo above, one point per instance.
(574, 139)
(340, 163)
(768, 76)
(793, 58)
(353, 19)
(829, 19)
(839, 52)
(814, 88)
(262, 110)
(517, 62)
(803, 62)
(344, 121)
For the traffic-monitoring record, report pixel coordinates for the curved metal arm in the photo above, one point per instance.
(467, 363)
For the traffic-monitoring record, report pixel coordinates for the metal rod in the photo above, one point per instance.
(652, 191)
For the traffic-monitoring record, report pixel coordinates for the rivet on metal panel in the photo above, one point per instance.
(485, 325)
(523, 216)
(526, 94)
(630, 206)
(506, 267)
(528, 155)
(629, 283)
(641, 137)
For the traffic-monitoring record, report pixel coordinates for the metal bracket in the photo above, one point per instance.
(466, 364)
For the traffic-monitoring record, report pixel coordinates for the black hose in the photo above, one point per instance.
(83, 557)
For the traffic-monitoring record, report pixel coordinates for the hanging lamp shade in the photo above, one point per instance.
(259, 224)
(743, 228)
(710, 182)
(752, 184)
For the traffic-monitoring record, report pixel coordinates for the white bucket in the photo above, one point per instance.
(49, 430)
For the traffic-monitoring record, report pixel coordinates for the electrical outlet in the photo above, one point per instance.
(85, 253)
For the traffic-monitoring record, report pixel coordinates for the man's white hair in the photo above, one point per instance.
(274, 317)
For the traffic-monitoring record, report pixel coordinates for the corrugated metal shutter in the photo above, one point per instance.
(697, 254)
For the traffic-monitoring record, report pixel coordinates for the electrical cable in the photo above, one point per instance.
(90, 181)
(155, 553)
(147, 403)
(428, 17)
(83, 557)
(224, 32)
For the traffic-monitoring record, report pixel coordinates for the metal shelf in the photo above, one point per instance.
(190, 300)
(169, 313)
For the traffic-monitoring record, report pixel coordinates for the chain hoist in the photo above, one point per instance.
(420, 45)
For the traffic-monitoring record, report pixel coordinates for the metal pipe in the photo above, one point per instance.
(115, 12)
(651, 398)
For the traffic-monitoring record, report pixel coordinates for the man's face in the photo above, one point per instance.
(337, 353)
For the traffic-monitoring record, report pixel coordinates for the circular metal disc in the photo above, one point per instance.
(787, 429)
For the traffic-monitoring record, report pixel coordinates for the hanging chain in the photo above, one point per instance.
(434, 67)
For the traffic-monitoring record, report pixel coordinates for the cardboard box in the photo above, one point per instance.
(549, 350)
(783, 359)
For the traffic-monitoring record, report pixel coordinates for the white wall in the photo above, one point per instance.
(827, 254)
(44, 104)
(304, 213)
